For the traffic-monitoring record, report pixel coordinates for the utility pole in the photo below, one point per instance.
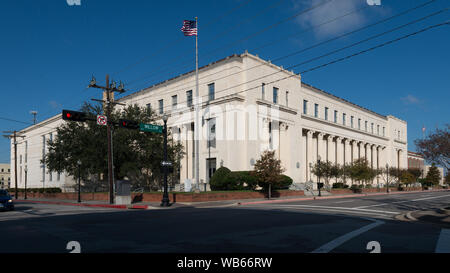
(108, 92)
(14, 137)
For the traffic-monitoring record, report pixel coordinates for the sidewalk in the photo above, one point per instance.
(209, 204)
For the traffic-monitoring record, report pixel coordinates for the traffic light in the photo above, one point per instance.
(129, 124)
(74, 116)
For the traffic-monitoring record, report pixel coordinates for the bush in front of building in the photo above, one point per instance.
(39, 190)
(340, 185)
(219, 179)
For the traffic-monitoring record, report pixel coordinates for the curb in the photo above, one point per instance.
(87, 205)
(332, 197)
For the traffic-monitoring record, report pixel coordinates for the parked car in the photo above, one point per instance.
(6, 202)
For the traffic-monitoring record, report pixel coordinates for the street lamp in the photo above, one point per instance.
(165, 200)
(26, 176)
(79, 180)
(318, 174)
(387, 178)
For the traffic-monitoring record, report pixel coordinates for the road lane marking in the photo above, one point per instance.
(348, 201)
(399, 202)
(359, 213)
(339, 208)
(344, 238)
(443, 244)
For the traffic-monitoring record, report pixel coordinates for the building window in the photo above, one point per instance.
(275, 95)
(378, 129)
(149, 107)
(371, 127)
(189, 98)
(161, 106)
(287, 98)
(351, 121)
(326, 113)
(343, 118)
(305, 107)
(263, 91)
(335, 116)
(359, 124)
(270, 136)
(211, 92)
(58, 176)
(366, 125)
(384, 131)
(20, 160)
(316, 110)
(174, 102)
(26, 151)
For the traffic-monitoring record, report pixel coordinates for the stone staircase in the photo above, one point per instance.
(308, 189)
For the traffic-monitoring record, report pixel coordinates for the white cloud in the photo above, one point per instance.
(328, 12)
(410, 99)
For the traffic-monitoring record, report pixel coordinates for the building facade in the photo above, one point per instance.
(249, 105)
(5, 176)
(417, 161)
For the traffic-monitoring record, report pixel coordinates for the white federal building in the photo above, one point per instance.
(247, 105)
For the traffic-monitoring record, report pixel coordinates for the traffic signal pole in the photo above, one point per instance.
(14, 137)
(109, 136)
(109, 91)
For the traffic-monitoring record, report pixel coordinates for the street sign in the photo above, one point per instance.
(151, 128)
(166, 163)
(102, 120)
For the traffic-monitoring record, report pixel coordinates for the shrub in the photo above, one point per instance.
(247, 179)
(285, 182)
(356, 188)
(218, 180)
(339, 186)
(368, 186)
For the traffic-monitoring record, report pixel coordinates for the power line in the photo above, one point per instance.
(321, 43)
(175, 60)
(338, 60)
(249, 36)
(175, 42)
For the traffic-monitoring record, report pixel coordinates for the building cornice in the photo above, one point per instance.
(282, 108)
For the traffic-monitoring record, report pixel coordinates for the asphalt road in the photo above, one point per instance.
(350, 225)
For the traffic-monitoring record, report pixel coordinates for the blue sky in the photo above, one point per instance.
(49, 50)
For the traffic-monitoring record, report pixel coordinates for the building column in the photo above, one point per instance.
(309, 154)
(354, 150)
(348, 151)
(330, 150)
(369, 155)
(321, 147)
(339, 151)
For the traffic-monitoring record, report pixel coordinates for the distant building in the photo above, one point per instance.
(417, 161)
(5, 176)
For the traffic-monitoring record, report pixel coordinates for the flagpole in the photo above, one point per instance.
(197, 123)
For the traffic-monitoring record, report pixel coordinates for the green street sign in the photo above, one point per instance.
(151, 128)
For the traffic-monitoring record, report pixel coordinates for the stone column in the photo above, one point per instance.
(321, 147)
(339, 151)
(348, 151)
(309, 155)
(330, 150)
(355, 150)
(369, 154)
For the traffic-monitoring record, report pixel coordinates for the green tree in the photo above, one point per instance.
(361, 172)
(323, 170)
(433, 175)
(137, 155)
(268, 171)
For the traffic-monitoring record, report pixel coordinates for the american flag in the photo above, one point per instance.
(189, 28)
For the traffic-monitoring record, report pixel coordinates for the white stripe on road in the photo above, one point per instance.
(443, 244)
(344, 238)
(359, 213)
(348, 201)
(399, 202)
(338, 208)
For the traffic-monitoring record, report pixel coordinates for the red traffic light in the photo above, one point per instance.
(129, 124)
(74, 116)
